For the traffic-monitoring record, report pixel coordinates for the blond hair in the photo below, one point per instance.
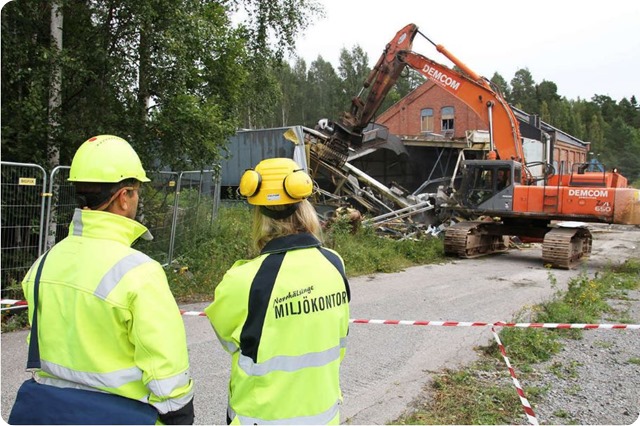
(304, 219)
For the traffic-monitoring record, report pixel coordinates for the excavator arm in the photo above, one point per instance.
(479, 95)
(477, 92)
(380, 80)
(347, 130)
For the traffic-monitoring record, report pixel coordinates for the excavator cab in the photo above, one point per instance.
(488, 184)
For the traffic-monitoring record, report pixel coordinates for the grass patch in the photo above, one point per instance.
(459, 400)
(213, 249)
(365, 252)
(565, 371)
(208, 251)
(14, 320)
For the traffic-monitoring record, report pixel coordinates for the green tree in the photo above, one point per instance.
(273, 26)
(547, 91)
(192, 68)
(576, 125)
(174, 77)
(628, 111)
(26, 64)
(607, 106)
(523, 91)
(353, 70)
(545, 114)
(323, 92)
(302, 102)
(502, 85)
(622, 149)
(288, 88)
(634, 104)
(595, 133)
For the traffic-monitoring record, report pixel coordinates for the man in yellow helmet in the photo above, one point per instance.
(284, 315)
(107, 319)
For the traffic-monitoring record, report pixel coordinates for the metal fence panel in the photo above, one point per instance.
(23, 190)
(156, 211)
(61, 205)
(196, 190)
(34, 220)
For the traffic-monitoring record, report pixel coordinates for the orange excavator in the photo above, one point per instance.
(500, 188)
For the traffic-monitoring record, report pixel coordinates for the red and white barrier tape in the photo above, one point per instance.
(523, 399)
(192, 313)
(497, 324)
(13, 302)
(23, 304)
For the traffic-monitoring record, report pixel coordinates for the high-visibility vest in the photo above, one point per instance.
(284, 317)
(107, 319)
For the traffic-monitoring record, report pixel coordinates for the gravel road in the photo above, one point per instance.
(596, 379)
(387, 366)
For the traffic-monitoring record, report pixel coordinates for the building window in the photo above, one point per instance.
(426, 120)
(447, 120)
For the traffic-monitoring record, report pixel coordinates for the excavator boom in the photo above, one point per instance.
(478, 94)
(380, 80)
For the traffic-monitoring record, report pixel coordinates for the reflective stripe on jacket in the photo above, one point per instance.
(284, 316)
(107, 318)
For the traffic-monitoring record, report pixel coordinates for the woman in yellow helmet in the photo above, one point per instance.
(284, 315)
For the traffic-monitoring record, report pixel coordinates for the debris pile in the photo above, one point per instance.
(346, 191)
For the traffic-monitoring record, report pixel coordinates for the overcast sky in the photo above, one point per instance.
(585, 47)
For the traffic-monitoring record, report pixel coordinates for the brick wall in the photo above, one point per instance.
(403, 118)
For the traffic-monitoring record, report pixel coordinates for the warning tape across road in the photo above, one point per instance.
(23, 304)
(496, 324)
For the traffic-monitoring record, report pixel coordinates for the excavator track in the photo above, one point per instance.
(469, 239)
(566, 247)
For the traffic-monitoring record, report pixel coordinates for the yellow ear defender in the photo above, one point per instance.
(298, 184)
(250, 183)
(275, 181)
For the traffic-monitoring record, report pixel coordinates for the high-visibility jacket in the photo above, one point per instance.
(106, 317)
(284, 317)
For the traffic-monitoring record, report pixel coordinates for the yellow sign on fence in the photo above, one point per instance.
(27, 181)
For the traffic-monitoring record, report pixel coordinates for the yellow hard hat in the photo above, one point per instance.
(108, 159)
(275, 181)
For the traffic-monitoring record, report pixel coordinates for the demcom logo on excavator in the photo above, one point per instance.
(599, 195)
(589, 193)
(441, 77)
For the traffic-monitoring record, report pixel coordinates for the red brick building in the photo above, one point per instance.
(437, 129)
(430, 110)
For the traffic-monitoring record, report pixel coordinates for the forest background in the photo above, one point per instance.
(178, 77)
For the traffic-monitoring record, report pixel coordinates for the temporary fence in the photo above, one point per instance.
(23, 189)
(37, 209)
(174, 204)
